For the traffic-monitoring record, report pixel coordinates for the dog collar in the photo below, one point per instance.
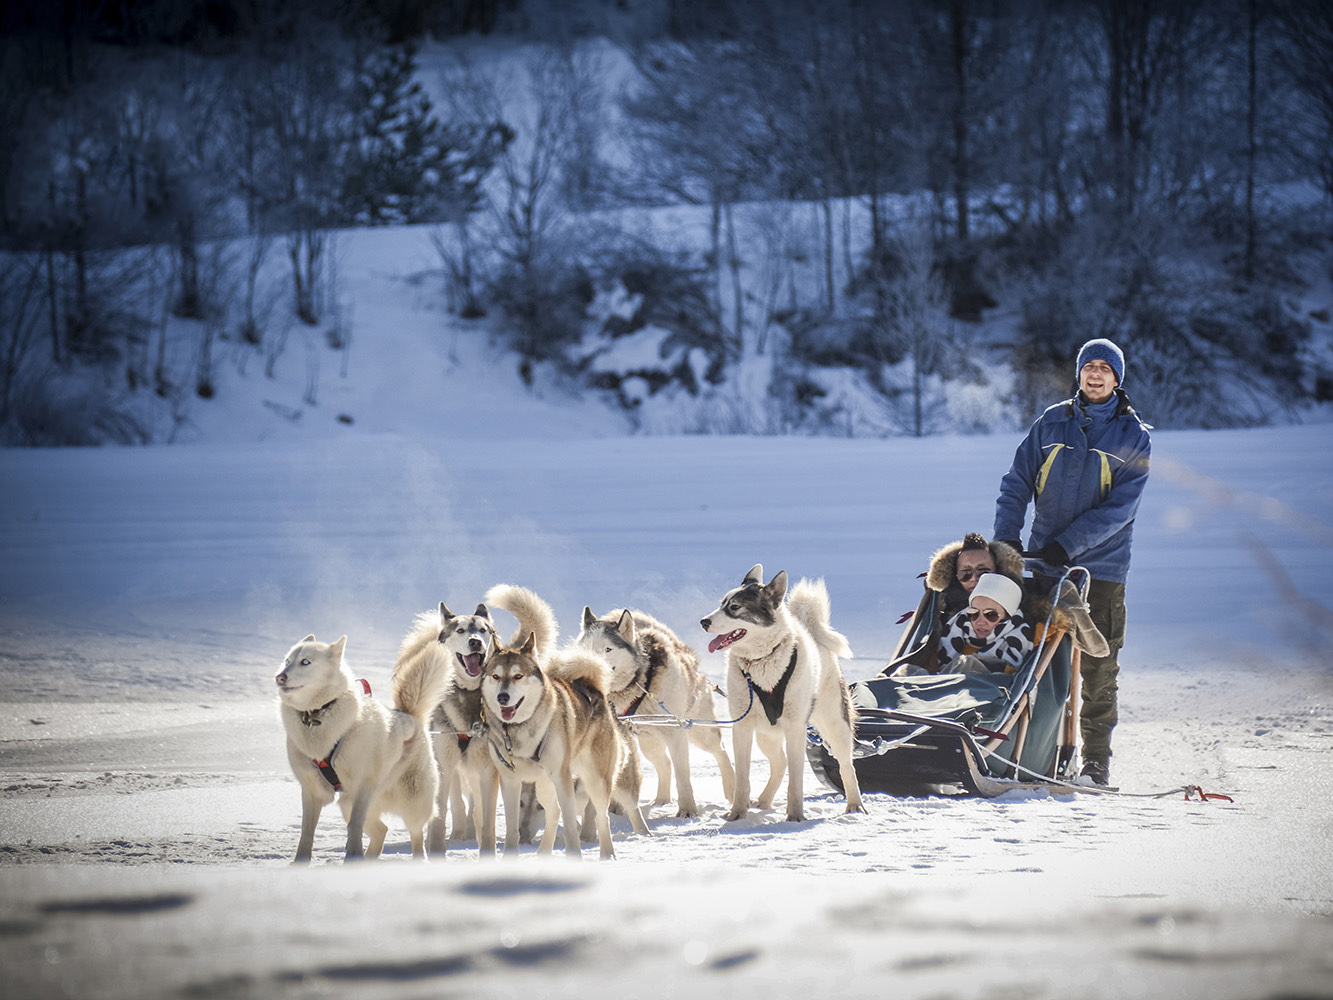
(311, 716)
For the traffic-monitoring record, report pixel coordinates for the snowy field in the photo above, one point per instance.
(147, 816)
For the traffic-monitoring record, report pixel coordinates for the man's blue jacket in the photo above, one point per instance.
(1084, 468)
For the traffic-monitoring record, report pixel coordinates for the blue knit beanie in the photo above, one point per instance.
(1101, 349)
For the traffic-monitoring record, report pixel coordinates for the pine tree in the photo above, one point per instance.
(409, 167)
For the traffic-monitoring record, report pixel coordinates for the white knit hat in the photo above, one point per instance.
(1000, 589)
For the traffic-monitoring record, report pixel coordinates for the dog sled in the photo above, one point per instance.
(984, 733)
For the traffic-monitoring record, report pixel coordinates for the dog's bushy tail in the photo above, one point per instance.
(579, 666)
(809, 604)
(419, 680)
(422, 638)
(534, 615)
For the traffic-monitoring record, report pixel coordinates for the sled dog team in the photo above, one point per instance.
(476, 718)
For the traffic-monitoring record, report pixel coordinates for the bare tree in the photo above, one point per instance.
(1144, 59)
(916, 316)
(1306, 30)
(305, 110)
(701, 135)
(21, 306)
(526, 217)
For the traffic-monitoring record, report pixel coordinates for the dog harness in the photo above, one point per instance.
(505, 756)
(326, 768)
(772, 700)
(312, 718)
(647, 683)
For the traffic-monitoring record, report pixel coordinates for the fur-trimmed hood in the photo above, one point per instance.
(1008, 561)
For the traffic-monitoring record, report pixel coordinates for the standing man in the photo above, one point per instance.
(1083, 466)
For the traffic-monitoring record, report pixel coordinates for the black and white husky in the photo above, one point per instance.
(782, 676)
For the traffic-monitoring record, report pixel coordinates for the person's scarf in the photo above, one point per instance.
(1009, 642)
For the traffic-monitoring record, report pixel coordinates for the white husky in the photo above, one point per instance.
(341, 741)
(653, 671)
(782, 676)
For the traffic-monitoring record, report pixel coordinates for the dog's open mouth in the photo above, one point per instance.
(723, 641)
(507, 711)
(471, 663)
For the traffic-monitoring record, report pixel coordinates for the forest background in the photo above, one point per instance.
(848, 218)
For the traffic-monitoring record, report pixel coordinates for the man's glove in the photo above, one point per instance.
(1052, 554)
(1013, 543)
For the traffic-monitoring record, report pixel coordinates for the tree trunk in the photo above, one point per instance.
(1251, 152)
(828, 253)
(916, 394)
(737, 292)
(1114, 18)
(304, 248)
(190, 304)
(958, 18)
(53, 304)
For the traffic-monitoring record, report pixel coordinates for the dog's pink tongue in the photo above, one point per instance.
(472, 664)
(723, 641)
(507, 712)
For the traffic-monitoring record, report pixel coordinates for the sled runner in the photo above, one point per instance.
(922, 734)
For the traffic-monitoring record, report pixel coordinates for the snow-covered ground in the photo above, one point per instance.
(147, 816)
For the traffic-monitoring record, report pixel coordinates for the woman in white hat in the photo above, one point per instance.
(990, 634)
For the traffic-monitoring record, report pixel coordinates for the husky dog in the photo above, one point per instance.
(783, 675)
(653, 671)
(551, 725)
(458, 646)
(340, 740)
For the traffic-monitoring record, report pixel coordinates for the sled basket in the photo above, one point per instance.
(929, 733)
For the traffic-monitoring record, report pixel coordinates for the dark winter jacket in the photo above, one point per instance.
(1083, 467)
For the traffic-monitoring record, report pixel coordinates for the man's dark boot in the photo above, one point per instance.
(1098, 769)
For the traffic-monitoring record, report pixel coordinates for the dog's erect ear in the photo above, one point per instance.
(777, 587)
(756, 574)
(482, 612)
(626, 626)
(445, 613)
(336, 648)
(529, 644)
(588, 617)
(309, 638)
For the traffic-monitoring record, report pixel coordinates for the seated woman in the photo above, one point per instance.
(991, 634)
(954, 572)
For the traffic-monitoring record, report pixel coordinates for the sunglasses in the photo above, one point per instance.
(990, 614)
(966, 574)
